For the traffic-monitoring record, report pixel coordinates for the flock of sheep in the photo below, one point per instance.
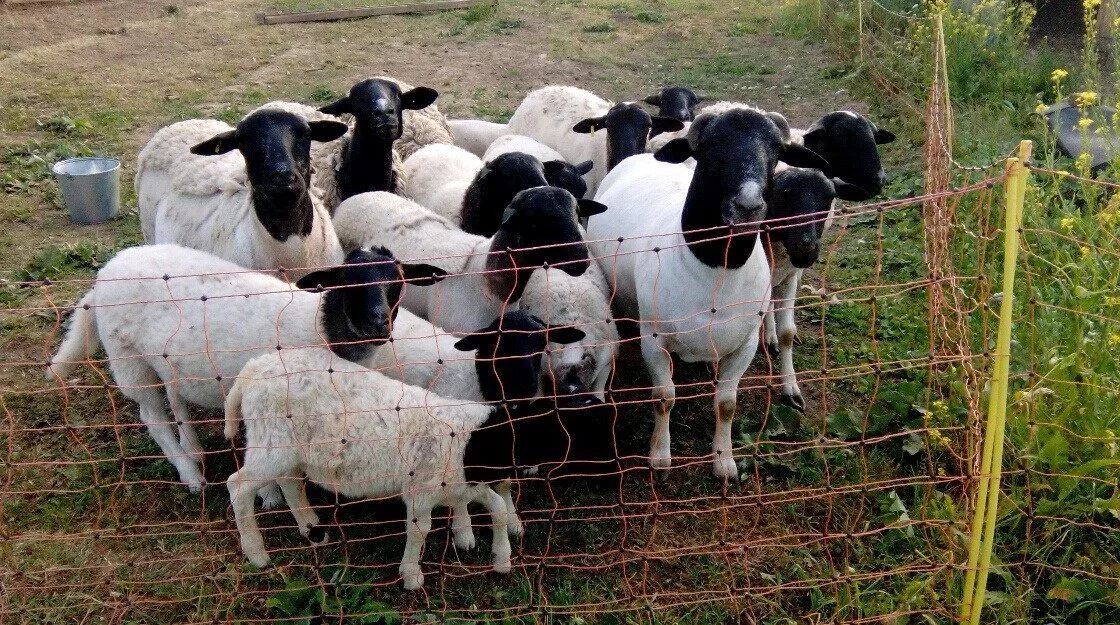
(382, 296)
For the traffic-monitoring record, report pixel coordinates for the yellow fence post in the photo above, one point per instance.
(982, 533)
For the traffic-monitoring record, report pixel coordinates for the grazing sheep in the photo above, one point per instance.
(187, 321)
(539, 229)
(253, 209)
(361, 434)
(364, 159)
(675, 102)
(681, 250)
(569, 177)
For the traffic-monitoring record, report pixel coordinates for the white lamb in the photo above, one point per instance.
(254, 207)
(181, 322)
(437, 178)
(539, 229)
(357, 433)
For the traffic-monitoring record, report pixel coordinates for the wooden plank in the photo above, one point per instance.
(345, 14)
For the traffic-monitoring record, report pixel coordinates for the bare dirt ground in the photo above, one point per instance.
(94, 527)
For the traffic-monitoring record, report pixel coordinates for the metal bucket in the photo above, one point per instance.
(91, 187)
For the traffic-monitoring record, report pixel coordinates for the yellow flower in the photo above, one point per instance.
(1091, 5)
(1058, 75)
(1086, 98)
(1084, 123)
(1041, 108)
(1109, 219)
(1086, 251)
(1114, 339)
(1068, 223)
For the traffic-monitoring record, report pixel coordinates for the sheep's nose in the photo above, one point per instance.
(881, 178)
(284, 178)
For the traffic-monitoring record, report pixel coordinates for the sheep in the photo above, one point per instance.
(474, 194)
(565, 119)
(579, 302)
(421, 127)
(539, 228)
(681, 250)
(188, 321)
(361, 434)
(253, 209)
(364, 159)
(504, 366)
(568, 176)
(848, 141)
(676, 102)
(475, 135)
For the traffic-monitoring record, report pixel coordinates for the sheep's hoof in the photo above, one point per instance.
(514, 525)
(724, 467)
(794, 401)
(464, 540)
(271, 497)
(317, 535)
(660, 462)
(259, 560)
(412, 576)
(502, 565)
(195, 484)
(771, 348)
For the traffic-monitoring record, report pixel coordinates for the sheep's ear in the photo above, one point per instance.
(326, 130)
(700, 97)
(469, 343)
(338, 107)
(564, 335)
(551, 168)
(589, 125)
(218, 144)
(418, 98)
(654, 99)
(421, 273)
(508, 217)
(781, 122)
(883, 136)
(667, 124)
(319, 280)
(801, 156)
(675, 151)
(584, 167)
(851, 192)
(815, 133)
(587, 208)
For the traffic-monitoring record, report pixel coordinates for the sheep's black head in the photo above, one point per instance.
(567, 176)
(510, 352)
(676, 102)
(849, 142)
(540, 229)
(378, 106)
(276, 146)
(799, 203)
(363, 297)
(494, 187)
(628, 129)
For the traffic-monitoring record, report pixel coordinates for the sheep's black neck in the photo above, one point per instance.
(489, 456)
(341, 336)
(474, 219)
(708, 237)
(623, 143)
(505, 281)
(367, 165)
(284, 213)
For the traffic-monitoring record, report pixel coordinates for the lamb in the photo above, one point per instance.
(361, 434)
(848, 141)
(187, 321)
(253, 209)
(568, 177)
(565, 119)
(538, 229)
(676, 102)
(473, 194)
(681, 250)
(364, 159)
(578, 302)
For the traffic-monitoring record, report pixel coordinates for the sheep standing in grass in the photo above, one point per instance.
(682, 253)
(474, 194)
(253, 208)
(365, 158)
(181, 323)
(539, 229)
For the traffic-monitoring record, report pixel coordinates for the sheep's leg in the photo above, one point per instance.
(769, 325)
(419, 523)
(729, 371)
(140, 383)
(513, 521)
(499, 524)
(602, 376)
(295, 493)
(660, 366)
(242, 495)
(188, 438)
(461, 528)
(785, 295)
